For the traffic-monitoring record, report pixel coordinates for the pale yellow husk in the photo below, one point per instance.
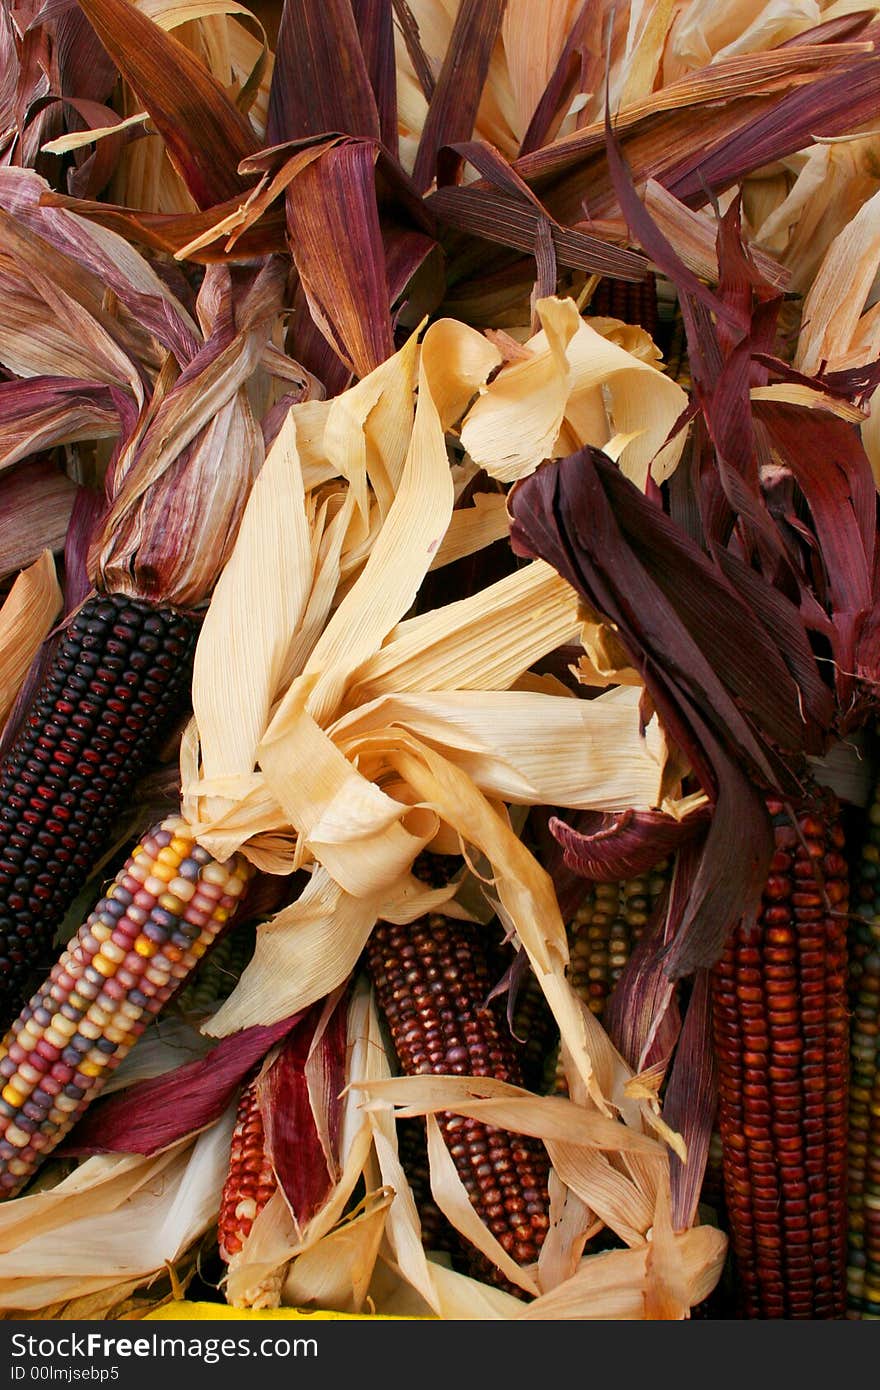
(26, 618)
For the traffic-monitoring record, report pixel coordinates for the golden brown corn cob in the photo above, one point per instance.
(250, 1178)
(118, 677)
(781, 1039)
(863, 1270)
(164, 909)
(431, 980)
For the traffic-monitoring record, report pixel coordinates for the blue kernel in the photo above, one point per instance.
(8, 1110)
(138, 999)
(71, 1011)
(42, 1098)
(122, 896)
(153, 932)
(26, 1124)
(70, 1057)
(105, 1045)
(33, 1110)
(163, 918)
(42, 1016)
(80, 1045)
(74, 1092)
(189, 868)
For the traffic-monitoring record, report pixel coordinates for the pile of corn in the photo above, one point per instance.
(275, 428)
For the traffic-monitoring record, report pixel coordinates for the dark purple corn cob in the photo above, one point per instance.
(431, 980)
(119, 676)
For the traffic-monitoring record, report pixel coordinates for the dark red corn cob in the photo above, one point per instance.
(431, 980)
(632, 302)
(120, 674)
(250, 1178)
(781, 1038)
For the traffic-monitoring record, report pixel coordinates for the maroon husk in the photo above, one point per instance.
(320, 82)
(375, 22)
(690, 1100)
(151, 1115)
(452, 110)
(305, 1172)
(616, 845)
(205, 134)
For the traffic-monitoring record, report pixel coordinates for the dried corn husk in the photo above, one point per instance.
(26, 617)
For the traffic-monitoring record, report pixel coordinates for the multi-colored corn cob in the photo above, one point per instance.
(631, 302)
(863, 1271)
(164, 909)
(781, 1039)
(119, 676)
(431, 980)
(250, 1178)
(601, 936)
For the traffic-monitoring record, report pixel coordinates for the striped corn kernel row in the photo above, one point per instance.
(431, 980)
(781, 1039)
(250, 1178)
(118, 677)
(164, 909)
(631, 302)
(863, 1271)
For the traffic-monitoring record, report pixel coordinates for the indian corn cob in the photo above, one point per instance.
(437, 1233)
(431, 981)
(780, 1032)
(630, 302)
(601, 937)
(118, 677)
(164, 909)
(250, 1179)
(863, 1270)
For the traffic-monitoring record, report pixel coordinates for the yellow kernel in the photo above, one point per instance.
(198, 948)
(127, 1010)
(139, 871)
(99, 1017)
(138, 849)
(89, 1029)
(214, 873)
(145, 947)
(27, 1041)
(116, 1035)
(90, 1068)
(64, 1103)
(171, 903)
(220, 914)
(164, 873)
(182, 888)
(113, 952)
(100, 931)
(55, 1038)
(18, 1168)
(104, 966)
(13, 1096)
(76, 1001)
(33, 1028)
(235, 887)
(181, 847)
(167, 855)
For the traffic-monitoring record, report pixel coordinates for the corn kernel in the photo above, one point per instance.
(13, 1096)
(145, 947)
(104, 966)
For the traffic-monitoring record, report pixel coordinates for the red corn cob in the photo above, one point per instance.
(781, 1037)
(166, 906)
(250, 1179)
(118, 678)
(431, 981)
(631, 302)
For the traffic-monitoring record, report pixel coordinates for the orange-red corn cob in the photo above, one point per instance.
(781, 1038)
(118, 677)
(431, 980)
(863, 1274)
(164, 909)
(250, 1178)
